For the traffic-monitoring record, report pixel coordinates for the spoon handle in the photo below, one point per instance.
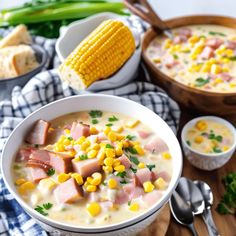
(193, 230)
(211, 227)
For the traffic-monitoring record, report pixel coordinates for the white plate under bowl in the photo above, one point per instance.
(77, 31)
(85, 103)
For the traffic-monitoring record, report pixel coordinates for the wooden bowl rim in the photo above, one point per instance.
(168, 78)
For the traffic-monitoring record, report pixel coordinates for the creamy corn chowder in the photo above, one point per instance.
(209, 136)
(92, 168)
(199, 56)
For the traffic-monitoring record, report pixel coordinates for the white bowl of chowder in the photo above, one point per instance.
(208, 142)
(92, 165)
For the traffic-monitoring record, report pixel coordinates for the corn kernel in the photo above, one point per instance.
(92, 154)
(101, 155)
(94, 208)
(134, 207)
(63, 177)
(20, 181)
(118, 151)
(201, 125)
(167, 43)
(85, 145)
(111, 136)
(160, 183)
(225, 60)
(107, 130)
(27, 186)
(107, 169)
(218, 80)
(198, 139)
(166, 155)
(139, 150)
(96, 146)
(116, 162)
(148, 187)
(59, 148)
(119, 168)
(51, 129)
(132, 123)
(156, 60)
(125, 143)
(206, 68)
(194, 39)
(46, 185)
(67, 131)
(97, 178)
(141, 165)
(215, 69)
(66, 142)
(120, 137)
(93, 130)
(112, 183)
(117, 129)
(62, 138)
(91, 188)
(225, 148)
(232, 85)
(78, 178)
(108, 161)
(110, 152)
(80, 140)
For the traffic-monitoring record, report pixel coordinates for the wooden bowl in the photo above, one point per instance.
(206, 102)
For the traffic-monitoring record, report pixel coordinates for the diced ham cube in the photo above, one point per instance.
(226, 77)
(24, 154)
(171, 63)
(133, 191)
(185, 32)
(180, 39)
(87, 167)
(78, 130)
(125, 161)
(164, 175)
(207, 53)
(54, 135)
(143, 134)
(38, 134)
(143, 175)
(40, 155)
(156, 145)
(121, 197)
(61, 163)
(154, 176)
(38, 174)
(68, 192)
(152, 197)
(231, 45)
(214, 42)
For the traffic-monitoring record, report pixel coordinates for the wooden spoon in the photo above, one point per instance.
(143, 9)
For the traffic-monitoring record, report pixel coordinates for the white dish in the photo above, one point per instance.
(77, 31)
(210, 161)
(105, 103)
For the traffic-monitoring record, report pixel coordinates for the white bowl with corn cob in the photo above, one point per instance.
(130, 226)
(113, 53)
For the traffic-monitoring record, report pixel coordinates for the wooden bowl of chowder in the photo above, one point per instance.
(198, 66)
(94, 164)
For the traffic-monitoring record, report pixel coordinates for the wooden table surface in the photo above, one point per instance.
(225, 224)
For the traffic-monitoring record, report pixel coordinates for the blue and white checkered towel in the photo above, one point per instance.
(41, 90)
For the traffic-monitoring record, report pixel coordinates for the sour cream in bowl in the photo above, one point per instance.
(92, 164)
(208, 142)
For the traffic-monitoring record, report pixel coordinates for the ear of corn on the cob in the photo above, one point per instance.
(99, 55)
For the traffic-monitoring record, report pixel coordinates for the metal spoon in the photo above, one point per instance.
(182, 212)
(208, 199)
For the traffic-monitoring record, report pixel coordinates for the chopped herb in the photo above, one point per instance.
(47, 206)
(199, 82)
(150, 167)
(109, 124)
(130, 137)
(227, 204)
(103, 183)
(216, 33)
(36, 145)
(232, 58)
(94, 121)
(202, 36)
(95, 113)
(133, 169)
(131, 150)
(188, 142)
(217, 150)
(70, 138)
(51, 172)
(175, 56)
(123, 181)
(134, 160)
(16, 167)
(112, 119)
(129, 203)
(218, 138)
(83, 157)
(121, 174)
(109, 146)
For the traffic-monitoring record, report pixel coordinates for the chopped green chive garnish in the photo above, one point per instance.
(41, 209)
(103, 183)
(217, 150)
(83, 157)
(131, 150)
(134, 160)
(232, 58)
(47, 206)
(150, 167)
(36, 145)
(199, 82)
(175, 56)
(112, 119)
(133, 169)
(95, 113)
(130, 137)
(188, 142)
(94, 121)
(121, 174)
(109, 146)
(51, 172)
(70, 138)
(109, 124)
(123, 181)
(216, 33)
(129, 203)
